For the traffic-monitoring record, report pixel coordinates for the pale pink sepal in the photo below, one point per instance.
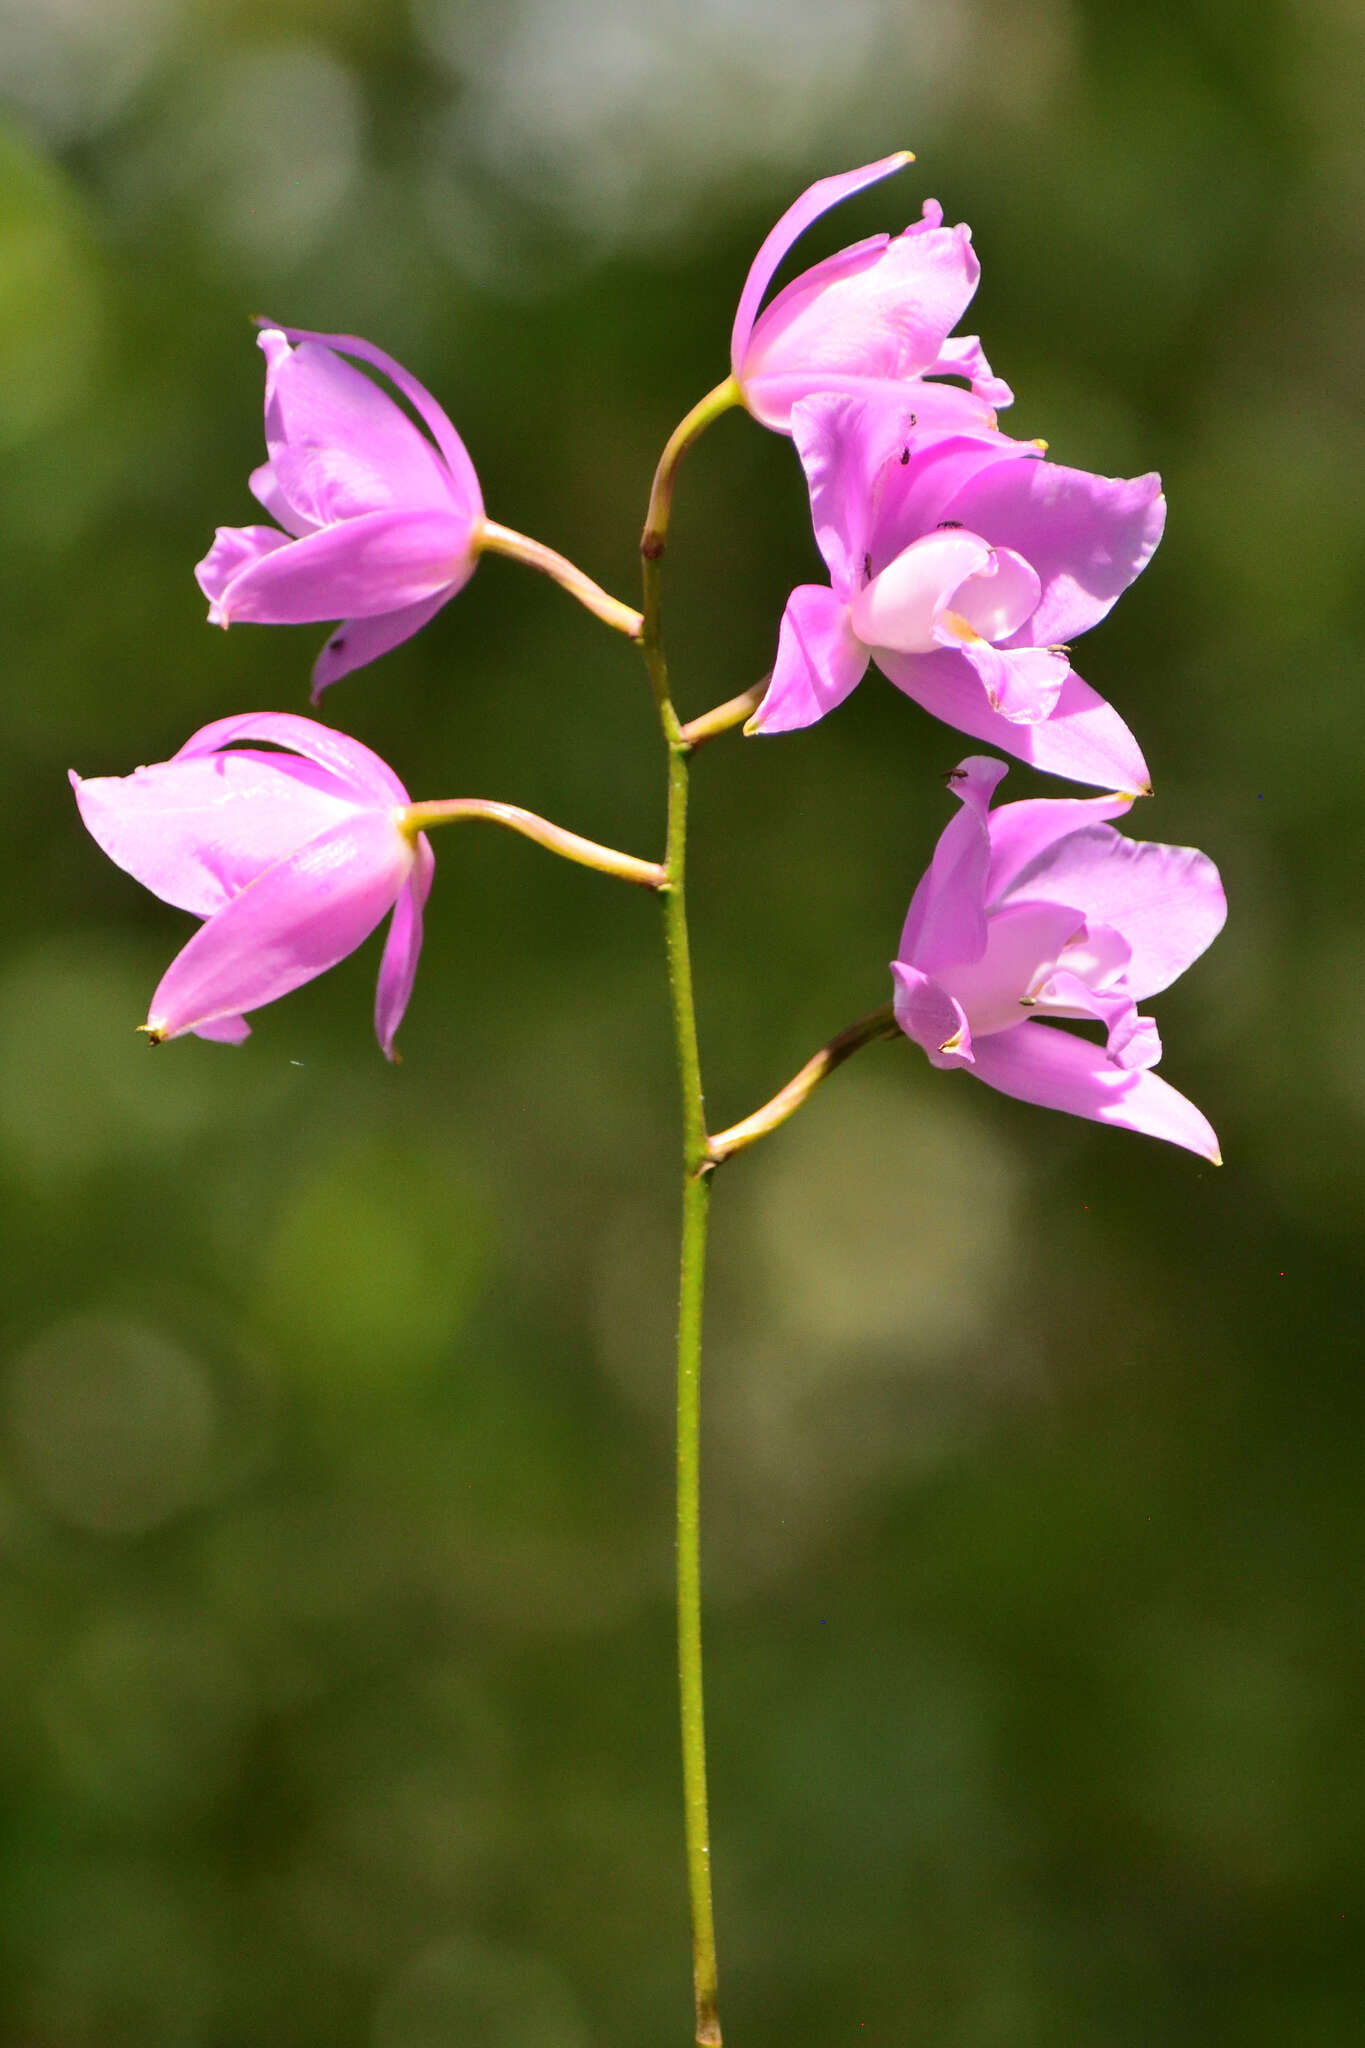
(1043, 1064)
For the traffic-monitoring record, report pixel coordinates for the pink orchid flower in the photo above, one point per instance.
(962, 564)
(1040, 910)
(381, 525)
(871, 319)
(291, 859)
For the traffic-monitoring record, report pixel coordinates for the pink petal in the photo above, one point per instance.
(1021, 683)
(1019, 832)
(817, 199)
(295, 921)
(1084, 739)
(196, 832)
(382, 562)
(1040, 1063)
(464, 483)
(357, 641)
(845, 465)
(339, 446)
(234, 549)
(818, 662)
(946, 921)
(1130, 1040)
(925, 1013)
(1087, 536)
(1167, 901)
(935, 408)
(350, 760)
(883, 311)
(899, 608)
(225, 1030)
(398, 968)
(264, 487)
(963, 356)
(1023, 942)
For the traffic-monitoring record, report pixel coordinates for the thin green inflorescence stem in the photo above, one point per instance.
(695, 1207)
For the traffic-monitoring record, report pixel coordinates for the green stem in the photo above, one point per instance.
(695, 1205)
(457, 810)
(877, 1024)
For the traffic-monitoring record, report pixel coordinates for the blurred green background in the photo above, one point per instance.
(335, 1482)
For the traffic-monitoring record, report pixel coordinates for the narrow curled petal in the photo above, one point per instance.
(946, 921)
(1087, 536)
(339, 446)
(1044, 1064)
(381, 562)
(817, 199)
(818, 662)
(296, 920)
(264, 487)
(350, 760)
(963, 356)
(357, 641)
(196, 832)
(235, 549)
(926, 1013)
(1130, 1040)
(1167, 901)
(1084, 739)
(465, 482)
(398, 968)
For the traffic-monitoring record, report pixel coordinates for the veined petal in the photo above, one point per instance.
(1167, 901)
(1087, 536)
(196, 832)
(1083, 739)
(234, 549)
(357, 641)
(926, 1013)
(298, 919)
(1044, 1064)
(350, 760)
(339, 446)
(379, 563)
(464, 482)
(398, 968)
(817, 199)
(818, 662)
(946, 921)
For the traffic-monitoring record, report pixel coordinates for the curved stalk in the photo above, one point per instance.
(877, 1024)
(649, 874)
(504, 540)
(693, 424)
(725, 717)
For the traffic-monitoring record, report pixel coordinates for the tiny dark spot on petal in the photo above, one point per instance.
(945, 524)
